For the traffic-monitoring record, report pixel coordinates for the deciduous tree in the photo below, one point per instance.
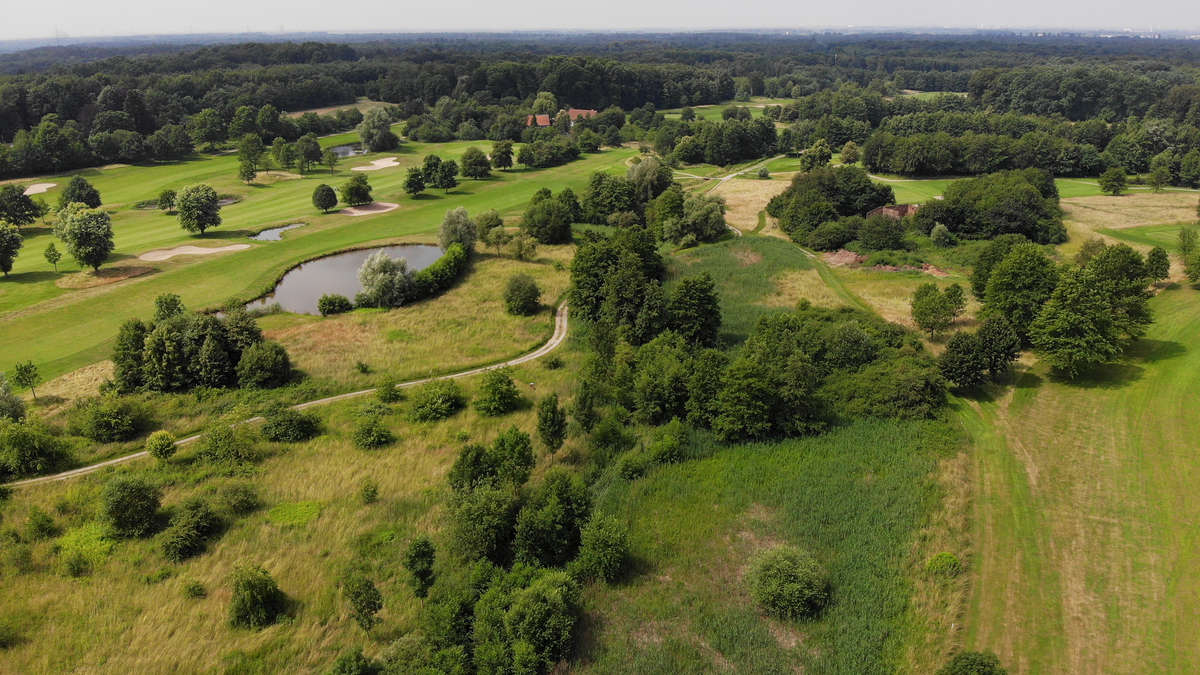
(199, 208)
(88, 234)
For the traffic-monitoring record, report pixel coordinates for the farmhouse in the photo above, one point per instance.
(546, 120)
(894, 211)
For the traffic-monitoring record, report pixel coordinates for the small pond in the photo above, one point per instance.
(299, 289)
(275, 233)
(350, 150)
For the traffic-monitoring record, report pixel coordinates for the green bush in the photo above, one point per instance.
(368, 491)
(264, 364)
(10, 635)
(365, 600)
(497, 394)
(257, 601)
(107, 419)
(353, 662)
(190, 528)
(28, 448)
(41, 525)
(437, 400)
(11, 406)
(944, 565)
(130, 505)
(194, 590)
(161, 445)
(788, 583)
(240, 498)
(522, 296)
(549, 523)
(603, 550)
(290, 425)
(418, 560)
(973, 663)
(223, 444)
(332, 303)
(370, 433)
(387, 391)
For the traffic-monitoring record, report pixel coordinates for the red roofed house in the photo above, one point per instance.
(546, 120)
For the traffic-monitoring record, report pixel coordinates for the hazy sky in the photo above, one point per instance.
(132, 17)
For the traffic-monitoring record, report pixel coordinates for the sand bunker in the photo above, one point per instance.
(373, 207)
(168, 253)
(228, 200)
(385, 163)
(38, 188)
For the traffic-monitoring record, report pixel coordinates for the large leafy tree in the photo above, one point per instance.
(87, 233)
(376, 131)
(695, 310)
(502, 154)
(199, 208)
(1019, 286)
(356, 191)
(16, 208)
(10, 244)
(324, 198)
(475, 164)
(1000, 344)
(964, 361)
(1076, 330)
(79, 190)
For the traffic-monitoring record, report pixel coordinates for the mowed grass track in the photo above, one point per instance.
(74, 328)
(1085, 522)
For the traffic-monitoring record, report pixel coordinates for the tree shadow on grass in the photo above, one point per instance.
(29, 277)
(1153, 351)
(224, 234)
(426, 196)
(1108, 376)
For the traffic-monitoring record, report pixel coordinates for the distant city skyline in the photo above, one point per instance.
(77, 19)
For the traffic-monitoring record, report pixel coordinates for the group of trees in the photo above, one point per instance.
(387, 281)
(825, 195)
(179, 350)
(1021, 202)
(434, 172)
(1076, 317)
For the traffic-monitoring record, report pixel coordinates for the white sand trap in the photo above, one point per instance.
(38, 188)
(168, 253)
(385, 163)
(228, 201)
(373, 207)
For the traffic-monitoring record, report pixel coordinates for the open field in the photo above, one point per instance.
(362, 105)
(36, 310)
(1086, 509)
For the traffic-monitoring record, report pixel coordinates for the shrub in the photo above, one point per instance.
(942, 236)
(368, 491)
(194, 590)
(332, 303)
(482, 522)
(788, 583)
(290, 425)
(437, 400)
(240, 498)
(832, 235)
(522, 297)
(973, 663)
(418, 560)
(907, 387)
(224, 445)
(130, 505)
(27, 448)
(107, 419)
(548, 525)
(353, 662)
(944, 565)
(10, 636)
(387, 391)
(370, 433)
(603, 550)
(497, 394)
(161, 445)
(11, 406)
(365, 600)
(190, 528)
(553, 363)
(264, 364)
(551, 422)
(257, 600)
(41, 525)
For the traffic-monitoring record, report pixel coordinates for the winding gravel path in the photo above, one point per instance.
(560, 334)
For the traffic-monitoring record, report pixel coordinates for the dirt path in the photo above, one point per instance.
(556, 339)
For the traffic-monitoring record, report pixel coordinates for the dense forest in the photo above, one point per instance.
(1067, 106)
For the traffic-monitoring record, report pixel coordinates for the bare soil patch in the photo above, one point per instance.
(38, 188)
(747, 256)
(842, 258)
(168, 253)
(369, 209)
(109, 275)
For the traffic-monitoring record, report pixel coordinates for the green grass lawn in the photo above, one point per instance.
(1086, 510)
(62, 330)
(1166, 236)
